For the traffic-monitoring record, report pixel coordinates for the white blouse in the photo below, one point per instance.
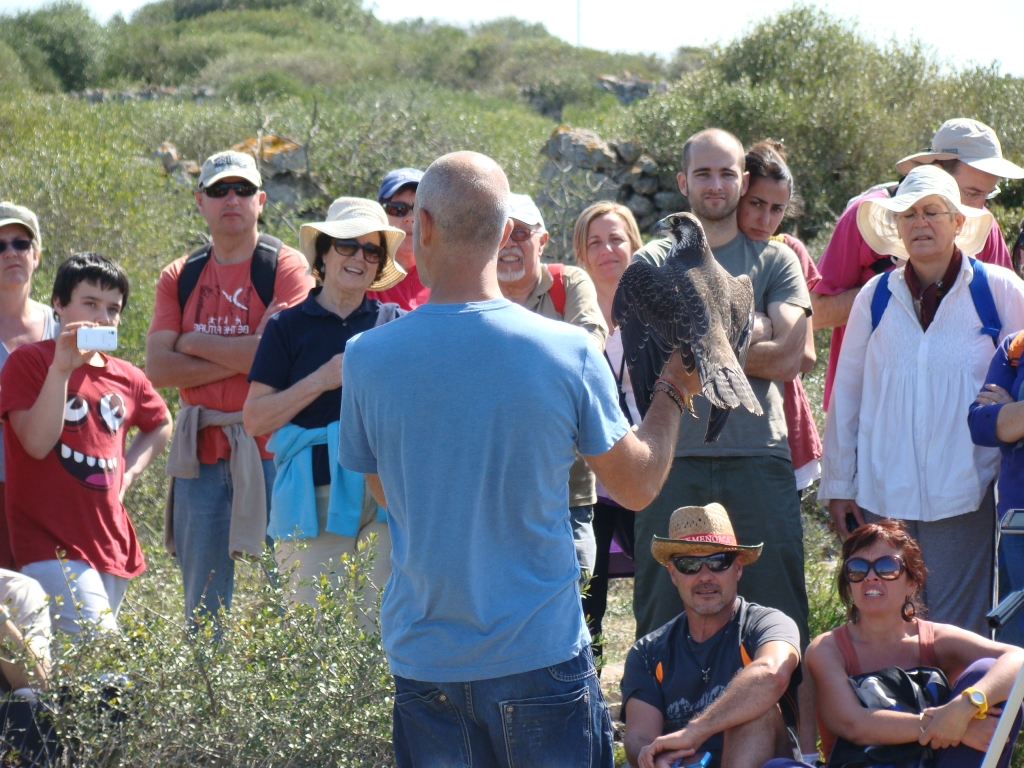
(897, 439)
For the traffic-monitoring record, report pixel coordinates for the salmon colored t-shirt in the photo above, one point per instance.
(225, 303)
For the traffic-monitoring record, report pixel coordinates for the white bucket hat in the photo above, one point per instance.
(350, 217)
(876, 219)
(969, 142)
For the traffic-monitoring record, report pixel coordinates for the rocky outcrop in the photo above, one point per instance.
(146, 93)
(628, 87)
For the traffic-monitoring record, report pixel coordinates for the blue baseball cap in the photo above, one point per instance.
(397, 179)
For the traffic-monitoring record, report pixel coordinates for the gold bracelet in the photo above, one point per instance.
(664, 386)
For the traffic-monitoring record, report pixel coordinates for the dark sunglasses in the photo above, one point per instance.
(18, 244)
(689, 565)
(372, 254)
(240, 188)
(519, 234)
(887, 568)
(398, 210)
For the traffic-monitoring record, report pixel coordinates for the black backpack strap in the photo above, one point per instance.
(189, 277)
(263, 270)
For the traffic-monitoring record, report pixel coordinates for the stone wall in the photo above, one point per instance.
(583, 168)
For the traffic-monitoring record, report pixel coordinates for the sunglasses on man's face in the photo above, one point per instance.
(17, 244)
(690, 565)
(240, 188)
(398, 210)
(372, 254)
(519, 234)
(887, 568)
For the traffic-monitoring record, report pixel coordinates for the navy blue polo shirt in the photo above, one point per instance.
(296, 342)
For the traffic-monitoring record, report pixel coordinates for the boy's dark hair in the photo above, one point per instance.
(89, 267)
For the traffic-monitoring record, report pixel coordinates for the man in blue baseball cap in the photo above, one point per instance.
(398, 195)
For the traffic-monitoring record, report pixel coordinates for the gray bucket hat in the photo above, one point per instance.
(968, 141)
(11, 213)
(353, 217)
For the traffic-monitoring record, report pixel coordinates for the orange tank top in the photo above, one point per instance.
(926, 646)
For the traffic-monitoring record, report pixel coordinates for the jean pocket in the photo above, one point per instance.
(555, 731)
(580, 667)
(429, 731)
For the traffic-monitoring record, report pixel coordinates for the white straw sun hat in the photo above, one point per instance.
(876, 219)
(350, 217)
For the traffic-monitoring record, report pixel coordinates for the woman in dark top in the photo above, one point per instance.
(295, 393)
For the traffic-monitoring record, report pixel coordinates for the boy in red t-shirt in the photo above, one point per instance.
(66, 415)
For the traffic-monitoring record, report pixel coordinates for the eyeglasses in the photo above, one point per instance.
(372, 254)
(17, 244)
(519, 234)
(240, 188)
(398, 210)
(887, 568)
(930, 217)
(690, 565)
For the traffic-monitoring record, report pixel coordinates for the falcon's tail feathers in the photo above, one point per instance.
(716, 423)
(729, 388)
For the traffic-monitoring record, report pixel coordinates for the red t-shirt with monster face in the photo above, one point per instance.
(68, 501)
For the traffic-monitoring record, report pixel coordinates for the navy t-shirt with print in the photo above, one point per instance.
(680, 677)
(295, 343)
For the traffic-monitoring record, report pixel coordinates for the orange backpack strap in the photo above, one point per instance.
(1015, 349)
(557, 290)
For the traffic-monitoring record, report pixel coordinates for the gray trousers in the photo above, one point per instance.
(958, 553)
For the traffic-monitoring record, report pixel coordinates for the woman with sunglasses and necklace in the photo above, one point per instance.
(881, 578)
(22, 320)
(296, 394)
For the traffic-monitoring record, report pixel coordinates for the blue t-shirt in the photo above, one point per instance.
(296, 342)
(469, 414)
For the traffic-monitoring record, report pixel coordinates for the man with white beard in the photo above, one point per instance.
(559, 292)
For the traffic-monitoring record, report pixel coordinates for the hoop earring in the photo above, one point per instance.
(909, 610)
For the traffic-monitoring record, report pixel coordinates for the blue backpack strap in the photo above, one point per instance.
(984, 304)
(880, 300)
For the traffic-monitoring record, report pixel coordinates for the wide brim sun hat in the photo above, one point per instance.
(351, 217)
(969, 141)
(876, 218)
(701, 531)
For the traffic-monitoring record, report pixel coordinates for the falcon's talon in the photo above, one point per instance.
(689, 405)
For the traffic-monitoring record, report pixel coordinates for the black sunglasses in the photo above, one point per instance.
(240, 188)
(372, 254)
(690, 565)
(18, 244)
(398, 210)
(887, 568)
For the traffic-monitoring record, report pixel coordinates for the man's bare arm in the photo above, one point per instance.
(235, 353)
(780, 357)
(644, 724)
(167, 368)
(810, 354)
(832, 311)
(751, 693)
(376, 490)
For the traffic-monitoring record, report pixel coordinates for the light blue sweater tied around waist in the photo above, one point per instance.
(293, 503)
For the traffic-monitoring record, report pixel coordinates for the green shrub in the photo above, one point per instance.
(68, 36)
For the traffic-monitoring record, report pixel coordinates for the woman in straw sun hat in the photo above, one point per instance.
(916, 351)
(296, 393)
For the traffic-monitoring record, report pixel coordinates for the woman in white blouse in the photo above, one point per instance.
(914, 357)
(605, 238)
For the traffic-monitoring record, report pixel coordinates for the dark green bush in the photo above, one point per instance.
(68, 36)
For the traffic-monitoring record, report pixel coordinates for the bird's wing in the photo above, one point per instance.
(646, 310)
(742, 310)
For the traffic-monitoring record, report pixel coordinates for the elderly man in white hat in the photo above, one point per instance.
(917, 349)
(210, 310)
(295, 394)
(967, 149)
(721, 677)
(558, 292)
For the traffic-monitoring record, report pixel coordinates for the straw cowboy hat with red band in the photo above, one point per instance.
(701, 531)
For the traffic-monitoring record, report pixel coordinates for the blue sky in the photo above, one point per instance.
(961, 33)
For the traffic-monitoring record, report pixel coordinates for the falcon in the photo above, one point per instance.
(691, 304)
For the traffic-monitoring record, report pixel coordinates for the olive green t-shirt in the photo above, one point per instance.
(775, 271)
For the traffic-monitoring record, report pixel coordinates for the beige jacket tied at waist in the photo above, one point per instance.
(248, 531)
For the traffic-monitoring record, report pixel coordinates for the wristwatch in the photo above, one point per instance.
(978, 699)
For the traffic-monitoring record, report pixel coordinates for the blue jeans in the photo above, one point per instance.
(553, 716)
(202, 523)
(582, 519)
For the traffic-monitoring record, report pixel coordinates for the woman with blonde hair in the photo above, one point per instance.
(604, 240)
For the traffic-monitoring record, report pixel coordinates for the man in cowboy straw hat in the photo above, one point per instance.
(722, 676)
(966, 149)
(210, 310)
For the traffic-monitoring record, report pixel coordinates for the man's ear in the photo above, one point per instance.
(58, 308)
(425, 230)
(544, 237)
(746, 183)
(507, 233)
(681, 181)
